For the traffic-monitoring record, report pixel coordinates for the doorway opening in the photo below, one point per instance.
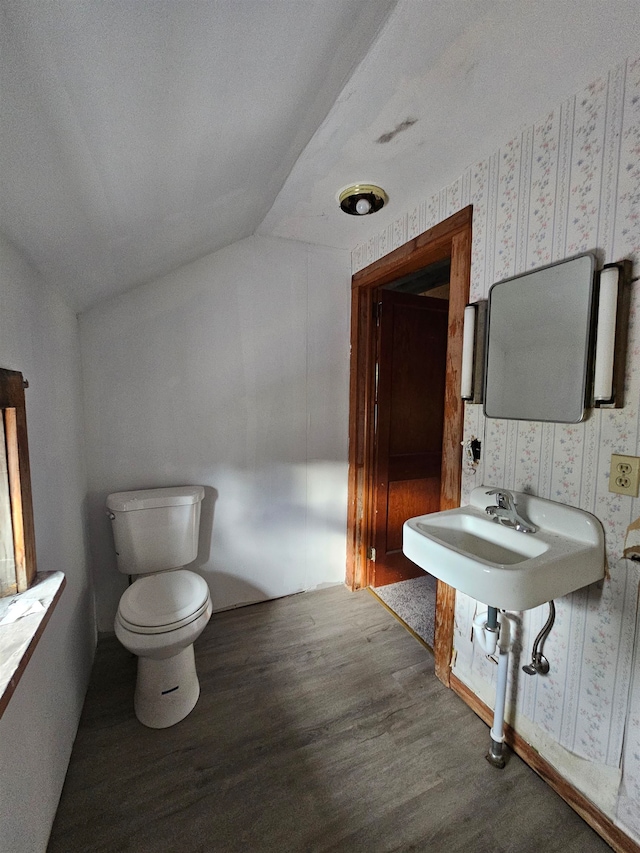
(412, 324)
(404, 455)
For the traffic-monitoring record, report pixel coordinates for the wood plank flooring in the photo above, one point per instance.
(320, 727)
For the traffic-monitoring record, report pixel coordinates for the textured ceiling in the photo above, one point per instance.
(138, 136)
(439, 91)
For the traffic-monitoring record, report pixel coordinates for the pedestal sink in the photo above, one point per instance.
(503, 567)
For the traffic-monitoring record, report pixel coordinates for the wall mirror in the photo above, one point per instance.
(539, 342)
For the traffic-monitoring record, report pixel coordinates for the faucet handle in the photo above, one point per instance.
(504, 498)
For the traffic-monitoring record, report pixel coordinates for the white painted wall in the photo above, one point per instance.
(231, 373)
(39, 336)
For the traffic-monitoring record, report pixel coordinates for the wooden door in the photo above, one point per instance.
(409, 401)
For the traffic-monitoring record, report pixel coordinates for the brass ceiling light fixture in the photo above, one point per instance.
(362, 199)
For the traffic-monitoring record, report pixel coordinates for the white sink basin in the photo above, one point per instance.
(500, 566)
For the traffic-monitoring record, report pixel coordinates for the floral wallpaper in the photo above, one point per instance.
(568, 184)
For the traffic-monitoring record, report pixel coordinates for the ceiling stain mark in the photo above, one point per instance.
(404, 125)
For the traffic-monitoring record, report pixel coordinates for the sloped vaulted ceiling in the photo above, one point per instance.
(138, 136)
(445, 84)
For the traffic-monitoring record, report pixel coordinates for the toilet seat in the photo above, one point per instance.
(157, 604)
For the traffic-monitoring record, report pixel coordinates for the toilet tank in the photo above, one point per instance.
(155, 529)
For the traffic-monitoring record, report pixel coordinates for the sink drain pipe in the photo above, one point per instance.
(493, 631)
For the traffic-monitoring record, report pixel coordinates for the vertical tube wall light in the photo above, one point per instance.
(606, 335)
(468, 349)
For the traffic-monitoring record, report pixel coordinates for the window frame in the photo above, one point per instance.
(13, 412)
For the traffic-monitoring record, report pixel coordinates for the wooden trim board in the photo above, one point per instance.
(13, 411)
(597, 820)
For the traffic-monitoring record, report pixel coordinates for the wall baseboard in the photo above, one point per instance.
(612, 834)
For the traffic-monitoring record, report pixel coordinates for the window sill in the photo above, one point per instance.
(19, 639)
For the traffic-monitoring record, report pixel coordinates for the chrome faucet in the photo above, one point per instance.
(505, 512)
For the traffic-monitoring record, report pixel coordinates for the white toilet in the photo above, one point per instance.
(163, 612)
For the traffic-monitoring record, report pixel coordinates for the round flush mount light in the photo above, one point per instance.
(362, 199)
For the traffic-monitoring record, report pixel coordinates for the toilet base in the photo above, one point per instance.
(167, 689)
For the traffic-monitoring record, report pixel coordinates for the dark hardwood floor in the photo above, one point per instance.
(320, 727)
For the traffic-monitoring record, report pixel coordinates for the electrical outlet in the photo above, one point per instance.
(625, 475)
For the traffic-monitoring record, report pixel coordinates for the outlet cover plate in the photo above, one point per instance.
(625, 475)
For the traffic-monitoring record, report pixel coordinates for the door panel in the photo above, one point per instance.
(410, 393)
(404, 496)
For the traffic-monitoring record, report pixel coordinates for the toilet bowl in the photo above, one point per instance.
(166, 607)
(159, 618)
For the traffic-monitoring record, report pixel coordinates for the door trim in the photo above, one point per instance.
(449, 239)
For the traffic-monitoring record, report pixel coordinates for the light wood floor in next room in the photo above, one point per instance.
(320, 727)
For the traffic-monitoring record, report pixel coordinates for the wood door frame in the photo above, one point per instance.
(449, 239)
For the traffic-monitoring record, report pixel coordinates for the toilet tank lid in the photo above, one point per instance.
(152, 498)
